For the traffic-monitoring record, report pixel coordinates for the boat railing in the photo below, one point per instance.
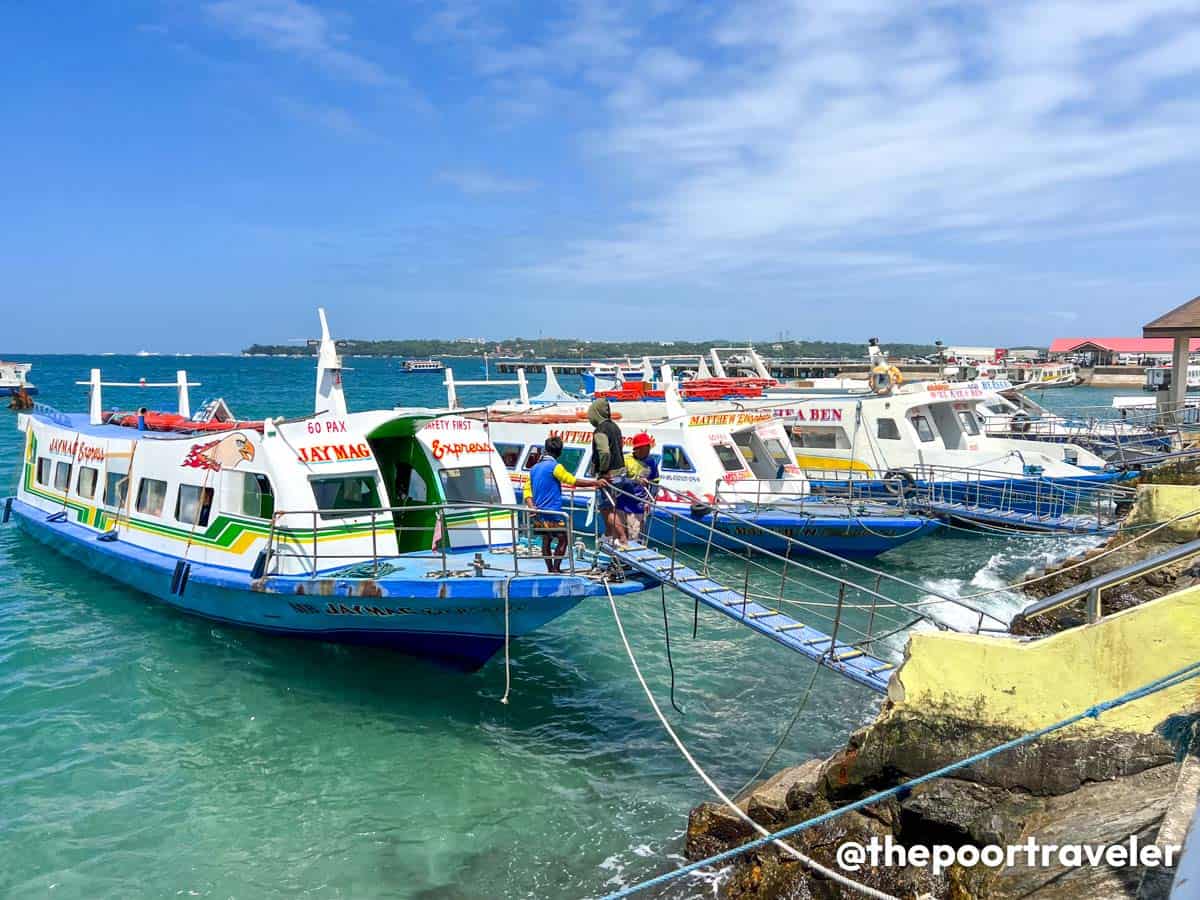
(495, 527)
(1119, 438)
(976, 488)
(1093, 590)
(854, 612)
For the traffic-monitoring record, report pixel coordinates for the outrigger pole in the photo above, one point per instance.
(96, 401)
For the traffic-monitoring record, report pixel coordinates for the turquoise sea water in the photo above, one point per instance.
(144, 753)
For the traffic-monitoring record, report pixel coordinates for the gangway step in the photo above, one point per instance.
(1017, 520)
(843, 658)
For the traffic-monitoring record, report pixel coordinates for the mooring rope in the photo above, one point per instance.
(1180, 676)
(712, 785)
(507, 671)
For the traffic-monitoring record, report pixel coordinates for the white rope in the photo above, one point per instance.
(507, 671)
(787, 848)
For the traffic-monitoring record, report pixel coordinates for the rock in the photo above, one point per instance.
(768, 804)
(953, 811)
(1104, 813)
(714, 827)
(903, 744)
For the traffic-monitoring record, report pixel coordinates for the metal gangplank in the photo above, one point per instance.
(839, 623)
(997, 501)
(843, 658)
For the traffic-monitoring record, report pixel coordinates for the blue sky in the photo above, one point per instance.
(186, 176)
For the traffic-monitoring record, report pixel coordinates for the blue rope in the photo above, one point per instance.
(1187, 673)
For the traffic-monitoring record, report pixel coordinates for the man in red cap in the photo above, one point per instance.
(639, 485)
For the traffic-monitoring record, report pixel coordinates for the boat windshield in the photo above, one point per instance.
(470, 484)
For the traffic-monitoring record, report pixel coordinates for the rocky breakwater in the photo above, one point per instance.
(1131, 773)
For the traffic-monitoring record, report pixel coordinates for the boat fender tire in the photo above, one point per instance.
(700, 510)
(7, 510)
(178, 576)
(899, 483)
(260, 566)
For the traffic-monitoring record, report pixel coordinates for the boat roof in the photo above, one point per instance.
(80, 423)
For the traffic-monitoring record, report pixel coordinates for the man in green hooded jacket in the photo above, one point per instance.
(608, 456)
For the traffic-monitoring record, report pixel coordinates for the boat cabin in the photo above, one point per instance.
(322, 491)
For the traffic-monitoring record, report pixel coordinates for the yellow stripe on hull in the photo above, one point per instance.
(832, 464)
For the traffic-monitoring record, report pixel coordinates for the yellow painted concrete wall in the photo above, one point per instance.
(1157, 503)
(1030, 684)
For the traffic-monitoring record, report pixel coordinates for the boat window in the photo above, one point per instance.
(779, 453)
(43, 470)
(510, 453)
(675, 459)
(86, 484)
(470, 484)
(62, 475)
(247, 494)
(970, 426)
(744, 440)
(116, 486)
(193, 504)
(729, 458)
(820, 437)
(151, 495)
(924, 431)
(570, 457)
(410, 486)
(887, 430)
(535, 453)
(342, 493)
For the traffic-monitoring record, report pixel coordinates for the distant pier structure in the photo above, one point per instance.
(783, 369)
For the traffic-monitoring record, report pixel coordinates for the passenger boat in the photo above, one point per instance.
(1043, 375)
(381, 527)
(727, 469)
(604, 376)
(14, 378)
(927, 434)
(732, 472)
(1158, 378)
(1013, 413)
(422, 365)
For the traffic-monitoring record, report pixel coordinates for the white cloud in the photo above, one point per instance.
(332, 118)
(290, 26)
(476, 182)
(817, 129)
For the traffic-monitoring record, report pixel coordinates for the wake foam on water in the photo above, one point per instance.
(990, 587)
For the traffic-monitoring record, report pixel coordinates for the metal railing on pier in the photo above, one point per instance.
(1093, 590)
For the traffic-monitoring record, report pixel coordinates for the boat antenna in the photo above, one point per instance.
(329, 397)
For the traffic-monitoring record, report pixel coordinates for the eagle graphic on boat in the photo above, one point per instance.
(224, 453)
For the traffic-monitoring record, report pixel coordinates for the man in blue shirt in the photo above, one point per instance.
(639, 485)
(543, 493)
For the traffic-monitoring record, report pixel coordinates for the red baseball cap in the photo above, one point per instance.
(642, 440)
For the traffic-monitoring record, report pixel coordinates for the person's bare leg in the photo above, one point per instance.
(560, 550)
(547, 552)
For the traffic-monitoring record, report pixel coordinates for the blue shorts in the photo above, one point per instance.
(606, 499)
